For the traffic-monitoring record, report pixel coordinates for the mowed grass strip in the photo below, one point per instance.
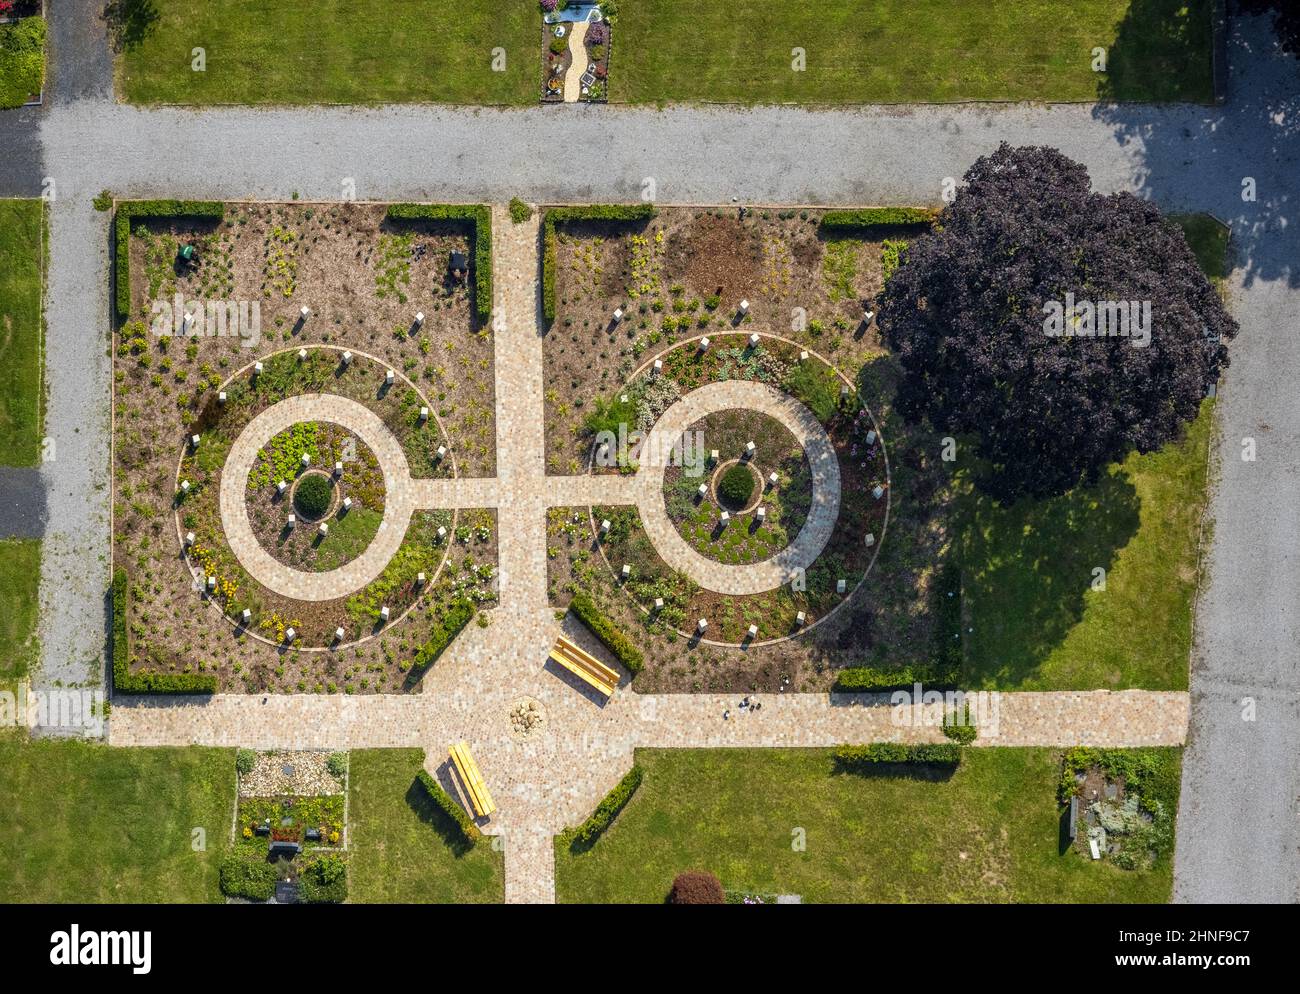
(333, 51)
(20, 579)
(87, 823)
(909, 51)
(22, 273)
(403, 849)
(1043, 618)
(990, 833)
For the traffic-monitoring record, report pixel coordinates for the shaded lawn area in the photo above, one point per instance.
(990, 833)
(333, 51)
(1028, 569)
(903, 51)
(20, 578)
(1028, 577)
(22, 256)
(86, 823)
(403, 850)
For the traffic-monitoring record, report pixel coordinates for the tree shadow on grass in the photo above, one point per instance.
(1161, 51)
(1027, 568)
(130, 22)
(417, 798)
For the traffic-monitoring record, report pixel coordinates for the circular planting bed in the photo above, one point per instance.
(772, 575)
(349, 503)
(376, 543)
(738, 484)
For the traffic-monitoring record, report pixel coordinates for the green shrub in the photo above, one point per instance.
(586, 834)
(851, 758)
(876, 217)
(312, 495)
(559, 45)
(586, 611)
(712, 302)
(145, 682)
(519, 211)
(480, 216)
(612, 213)
(608, 414)
(444, 803)
(816, 386)
(451, 624)
(891, 256)
(736, 486)
(324, 881)
(22, 60)
(959, 727)
(245, 759)
(102, 202)
(248, 877)
(337, 764)
(861, 679)
(127, 212)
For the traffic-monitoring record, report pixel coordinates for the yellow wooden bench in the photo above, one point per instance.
(475, 788)
(583, 664)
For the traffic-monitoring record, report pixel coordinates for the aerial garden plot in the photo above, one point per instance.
(295, 389)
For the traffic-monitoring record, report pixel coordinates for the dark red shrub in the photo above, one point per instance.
(696, 887)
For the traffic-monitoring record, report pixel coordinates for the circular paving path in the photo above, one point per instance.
(824, 467)
(399, 500)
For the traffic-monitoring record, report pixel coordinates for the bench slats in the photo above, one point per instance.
(472, 778)
(584, 665)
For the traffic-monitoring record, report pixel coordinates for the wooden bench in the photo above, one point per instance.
(583, 664)
(479, 798)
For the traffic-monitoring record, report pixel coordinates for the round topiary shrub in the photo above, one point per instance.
(312, 498)
(736, 486)
(696, 887)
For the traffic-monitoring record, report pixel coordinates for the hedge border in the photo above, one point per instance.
(480, 215)
(145, 682)
(130, 210)
(863, 757)
(611, 636)
(444, 802)
(451, 625)
(589, 212)
(246, 876)
(586, 834)
(876, 217)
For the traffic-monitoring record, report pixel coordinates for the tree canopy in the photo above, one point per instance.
(1061, 327)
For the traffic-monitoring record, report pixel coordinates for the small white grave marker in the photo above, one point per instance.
(383, 612)
(771, 480)
(618, 314)
(424, 414)
(442, 451)
(871, 438)
(761, 514)
(442, 533)
(306, 459)
(338, 634)
(257, 369)
(419, 318)
(189, 538)
(725, 519)
(185, 486)
(604, 527)
(324, 529)
(799, 619)
(702, 624)
(247, 616)
(304, 312)
(347, 358)
(347, 503)
(753, 340)
(753, 631)
(281, 487)
(744, 307)
(212, 583)
(870, 540)
(389, 377)
(419, 579)
(293, 520)
(749, 450)
(627, 571)
(302, 355)
(803, 356)
(659, 603)
(877, 491)
(338, 468)
(703, 491)
(290, 635)
(658, 367)
(221, 397)
(194, 441)
(841, 585)
(713, 455)
(704, 344)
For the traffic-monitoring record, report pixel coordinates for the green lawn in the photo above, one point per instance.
(20, 578)
(22, 273)
(989, 833)
(87, 823)
(904, 51)
(888, 51)
(1028, 569)
(334, 51)
(402, 849)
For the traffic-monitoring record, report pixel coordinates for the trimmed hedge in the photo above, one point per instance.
(614, 213)
(129, 210)
(443, 801)
(458, 616)
(242, 876)
(943, 672)
(479, 215)
(22, 60)
(586, 834)
(604, 629)
(864, 757)
(324, 881)
(876, 217)
(144, 682)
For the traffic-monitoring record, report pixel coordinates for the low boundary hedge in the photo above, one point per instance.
(864, 757)
(480, 216)
(248, 877)
(943, 672)
(586, 834)
(584, 607)
(614, 213)
(456, 619)
(876, 217)
(145, 682)
(130, 210)
(444, 803)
